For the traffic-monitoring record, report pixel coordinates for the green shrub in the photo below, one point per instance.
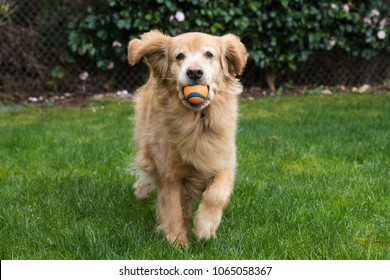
(277, 34)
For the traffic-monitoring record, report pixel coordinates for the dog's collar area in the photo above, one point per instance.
(201, 113)
(202, 117)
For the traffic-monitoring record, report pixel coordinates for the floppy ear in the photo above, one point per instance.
(153, 46)
(235, 57)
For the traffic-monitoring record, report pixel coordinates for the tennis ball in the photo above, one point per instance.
(196, 93)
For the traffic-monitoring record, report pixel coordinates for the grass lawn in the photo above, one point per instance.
(313, 182)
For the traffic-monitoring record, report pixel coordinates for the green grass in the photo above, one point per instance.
(313, 182)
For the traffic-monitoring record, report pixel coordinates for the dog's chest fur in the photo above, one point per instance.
(203, 142)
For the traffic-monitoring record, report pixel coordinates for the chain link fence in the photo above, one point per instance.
(35, 58)
(337, 68)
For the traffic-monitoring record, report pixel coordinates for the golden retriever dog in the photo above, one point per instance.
(187, 150)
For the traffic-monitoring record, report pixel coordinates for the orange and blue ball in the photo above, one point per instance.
(196, 93)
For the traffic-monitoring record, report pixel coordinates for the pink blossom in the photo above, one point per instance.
(116, 44)
(110, 66)
(381, 35)
(367, 20)
(383, 22)
(171, 17)
(84, 76)
(346, 8)
(332, 41)
(368, 40)
(180, 16)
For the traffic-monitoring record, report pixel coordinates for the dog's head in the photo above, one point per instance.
(190, 58)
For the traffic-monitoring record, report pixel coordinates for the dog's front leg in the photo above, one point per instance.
(214, 200)
(170, 214)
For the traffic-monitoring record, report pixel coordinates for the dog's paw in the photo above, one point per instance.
(177, 239)
(180, 241)
(206, 224)
(142, 190)
(205, 231)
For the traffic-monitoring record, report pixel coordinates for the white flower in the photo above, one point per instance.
(123, 93)
(32, 99)
(375, 13)
(116, 44)
(332, 41)
(84, 76)
(180, 16)
(381, 35)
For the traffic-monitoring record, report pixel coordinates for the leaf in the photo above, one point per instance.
(112, 3)
(216, 26)
(100, 63)
(292, 65)
(102, 34)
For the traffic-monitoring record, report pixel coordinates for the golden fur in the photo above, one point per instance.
(182, 150)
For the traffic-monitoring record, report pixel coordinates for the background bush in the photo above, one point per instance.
(277, 34)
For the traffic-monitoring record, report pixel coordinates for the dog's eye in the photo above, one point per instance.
(180, 56)
(209, 55)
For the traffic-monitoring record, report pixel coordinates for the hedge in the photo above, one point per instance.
(277, 34)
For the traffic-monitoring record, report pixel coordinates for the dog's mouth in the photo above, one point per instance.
(194, 106)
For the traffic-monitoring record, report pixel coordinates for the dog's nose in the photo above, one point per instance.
(194, 72)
